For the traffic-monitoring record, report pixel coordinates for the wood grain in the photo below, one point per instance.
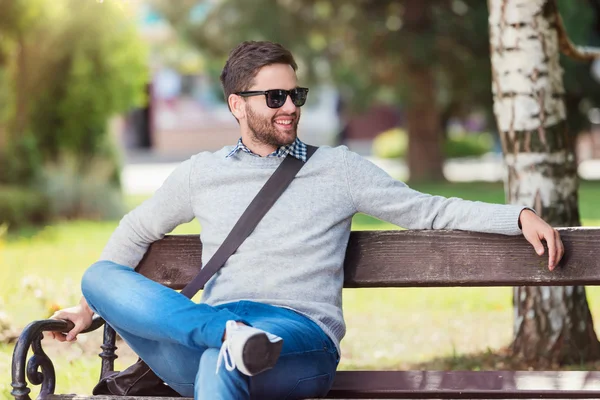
(419, 259)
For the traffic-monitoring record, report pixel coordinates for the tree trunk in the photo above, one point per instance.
(552, 324)
(425, 157)
(21, 87)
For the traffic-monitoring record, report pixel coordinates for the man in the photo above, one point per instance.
(270, 321)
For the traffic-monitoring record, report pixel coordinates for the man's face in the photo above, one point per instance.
(273, 126)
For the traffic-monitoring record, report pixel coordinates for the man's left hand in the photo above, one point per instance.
(535, 229)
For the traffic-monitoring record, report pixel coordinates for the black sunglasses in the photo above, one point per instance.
(276, 97)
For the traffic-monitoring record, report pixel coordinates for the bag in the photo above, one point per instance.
(139, 379)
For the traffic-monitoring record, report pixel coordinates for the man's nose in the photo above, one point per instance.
(288, 106)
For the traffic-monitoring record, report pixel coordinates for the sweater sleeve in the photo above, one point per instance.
(169, 207)
(376, 193)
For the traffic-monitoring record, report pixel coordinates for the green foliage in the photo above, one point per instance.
(60, 189)
(65, 75)
(471, 145)
(20, 161)
(367, 49)
(21, 206)
(393, 143)
(17, 15)
(92, 194)
(98, 69)
(66, 67)
(4, 92)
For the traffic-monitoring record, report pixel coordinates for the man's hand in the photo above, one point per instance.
(535, 229)
(80, 315)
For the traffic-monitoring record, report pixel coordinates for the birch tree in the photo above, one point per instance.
(552, 324)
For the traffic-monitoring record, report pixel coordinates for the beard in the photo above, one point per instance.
(265, 131)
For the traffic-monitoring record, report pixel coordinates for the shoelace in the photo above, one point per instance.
(225, 352)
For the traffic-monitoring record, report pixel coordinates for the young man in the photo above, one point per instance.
(270, 321)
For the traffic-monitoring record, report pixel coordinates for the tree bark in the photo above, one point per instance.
(552, 324)
(425, 158)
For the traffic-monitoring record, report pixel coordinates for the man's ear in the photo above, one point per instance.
(237, 106)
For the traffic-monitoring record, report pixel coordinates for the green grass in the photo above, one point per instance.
(40, 271)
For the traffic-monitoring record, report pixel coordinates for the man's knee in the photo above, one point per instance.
(96, 277)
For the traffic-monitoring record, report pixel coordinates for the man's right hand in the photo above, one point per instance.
(80, 315)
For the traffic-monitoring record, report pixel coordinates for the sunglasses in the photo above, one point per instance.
(276, 97)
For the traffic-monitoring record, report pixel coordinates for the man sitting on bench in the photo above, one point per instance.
(270, 321)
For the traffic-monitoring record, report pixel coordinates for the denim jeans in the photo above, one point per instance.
(180, 339)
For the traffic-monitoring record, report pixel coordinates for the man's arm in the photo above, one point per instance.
(169, 207)
(375, 193)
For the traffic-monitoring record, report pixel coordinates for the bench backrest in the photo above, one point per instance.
(418, 259)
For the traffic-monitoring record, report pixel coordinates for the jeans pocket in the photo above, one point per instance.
(316, 386)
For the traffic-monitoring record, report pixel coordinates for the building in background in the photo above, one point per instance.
(186, 112)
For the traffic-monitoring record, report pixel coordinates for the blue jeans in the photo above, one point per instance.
(180, 339)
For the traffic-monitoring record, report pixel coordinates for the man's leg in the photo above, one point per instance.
(135, 304)
(306, 366)
(166, 329)
(175, 364)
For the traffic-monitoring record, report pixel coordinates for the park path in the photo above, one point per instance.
(143, 173)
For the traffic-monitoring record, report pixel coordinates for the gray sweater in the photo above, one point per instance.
(294, 257)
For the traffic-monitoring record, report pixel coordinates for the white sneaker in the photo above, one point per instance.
(248, 349)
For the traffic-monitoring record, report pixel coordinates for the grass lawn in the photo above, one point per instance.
(387, 328)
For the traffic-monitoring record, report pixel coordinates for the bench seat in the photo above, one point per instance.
(466, 385)
(445, 385)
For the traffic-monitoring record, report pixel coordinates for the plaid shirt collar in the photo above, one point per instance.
(296, 149)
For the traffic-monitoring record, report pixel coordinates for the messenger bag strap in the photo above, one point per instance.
(266, 197)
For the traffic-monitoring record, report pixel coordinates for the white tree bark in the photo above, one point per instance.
(551, 324)
(528, 75)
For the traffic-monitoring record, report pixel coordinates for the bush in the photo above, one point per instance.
(97, 69)
(91, 193)
(393, 143)
(85, 63)
(22, 206)
(20, 161)
(473, 145)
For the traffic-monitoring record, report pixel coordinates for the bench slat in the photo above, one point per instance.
(418, 259)
(445, 385)
(466, 385)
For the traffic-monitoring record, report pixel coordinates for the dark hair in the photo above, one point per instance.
(246, 59)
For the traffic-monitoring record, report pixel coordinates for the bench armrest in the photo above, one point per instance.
(32, 337)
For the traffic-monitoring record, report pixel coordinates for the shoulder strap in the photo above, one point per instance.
(266, 197)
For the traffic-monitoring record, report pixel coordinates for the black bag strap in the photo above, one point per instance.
(266, 197)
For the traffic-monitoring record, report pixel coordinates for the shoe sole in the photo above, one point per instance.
(260, 354)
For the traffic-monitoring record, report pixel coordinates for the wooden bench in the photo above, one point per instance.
(385, 259)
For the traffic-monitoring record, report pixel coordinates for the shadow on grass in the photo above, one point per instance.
(497, 360)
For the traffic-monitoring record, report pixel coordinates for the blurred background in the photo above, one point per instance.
(101, 99)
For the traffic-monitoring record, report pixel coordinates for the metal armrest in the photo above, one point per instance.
(32, 337)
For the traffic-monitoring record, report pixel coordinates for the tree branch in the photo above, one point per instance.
(579, 53)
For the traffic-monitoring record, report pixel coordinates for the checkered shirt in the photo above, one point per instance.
(296, 149)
